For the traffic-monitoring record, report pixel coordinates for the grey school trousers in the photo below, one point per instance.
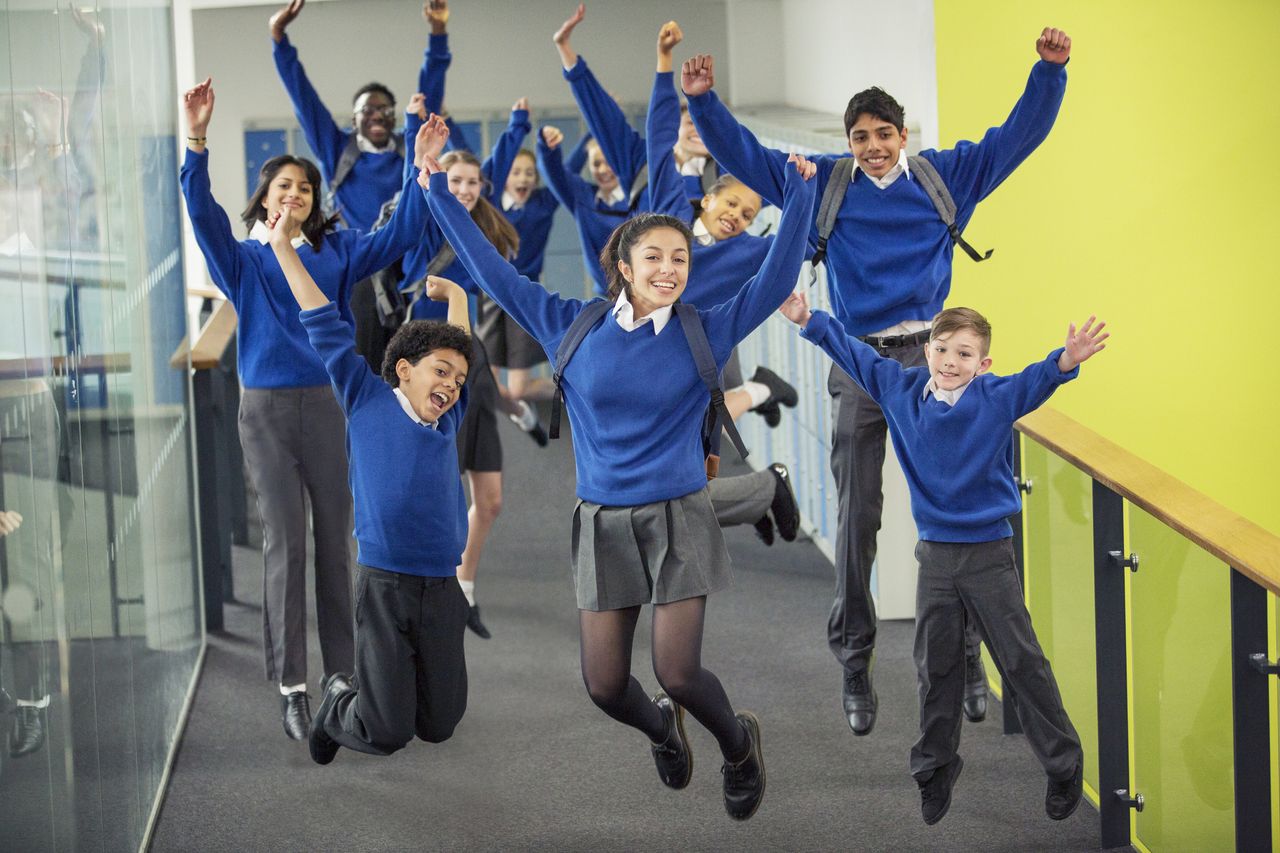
(294, 443)
(743, 499)
(982, 579)
(857, 460)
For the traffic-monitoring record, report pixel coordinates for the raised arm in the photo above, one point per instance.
(568, 187)
(578, 156)
(873, 373)
(382, 247)
(662, 128)
(498, 164)
(443, 290)
(209, 221)
(732, 321)
(732, 145)
(437, 58)
(323, 134)
(283, 229)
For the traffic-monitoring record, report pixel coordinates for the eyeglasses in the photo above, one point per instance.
(376, 112)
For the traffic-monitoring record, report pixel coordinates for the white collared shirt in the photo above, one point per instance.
(626, 316)
(262, 234)
(368, 147)
(900, 168)
(701, 234)
(613, 197)
(408, 409)
(942, 395)
(694, 166)
(509, 201)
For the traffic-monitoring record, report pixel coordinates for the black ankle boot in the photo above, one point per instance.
(28, 732)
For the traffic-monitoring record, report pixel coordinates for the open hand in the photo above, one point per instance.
(796, 309)
(1054, 46)
(563, 34)
(282, 19)
(697, 75)
(806, 168)
(9, 522)
(552, 137)
(437, 14)
(429, 143)
(439, 289)
(197, 103)
(1082, 344)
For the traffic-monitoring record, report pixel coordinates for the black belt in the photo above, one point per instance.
(892, 341)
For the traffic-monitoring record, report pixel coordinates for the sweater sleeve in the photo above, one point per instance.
(221, 250)
(498, 165)
(1029, 389)
(332, 340)
(737, 150)
(323, 135)
(578, 156)
(543, 314)
(435, 62)
(972, 170)
(662, 128)
(383, 246)
(622, 146)
(730, 322)
(412, 124)
(873, 373)
(567, 186)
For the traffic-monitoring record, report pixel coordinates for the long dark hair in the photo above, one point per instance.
(495, 227)
(625, 237)
(316, 224)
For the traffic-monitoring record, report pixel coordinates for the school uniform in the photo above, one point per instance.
(291, 427)
(955, 453)
(411, 527)
(889, 272)
(637, 443)
(595, 216)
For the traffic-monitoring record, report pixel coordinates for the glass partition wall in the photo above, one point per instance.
(100, 616)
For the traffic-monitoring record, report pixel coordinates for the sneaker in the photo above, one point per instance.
(780, 390)
(935, 794)
(764, 529)
(786, 513)
(744, 779)
(322, 747)
(860, 701)
(1062, 797)
(527, 420)
(975, 689)
(474, 623)
(672, 755)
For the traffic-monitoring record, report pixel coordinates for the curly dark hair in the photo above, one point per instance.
(624, 238)
(877, 102)
(373, 87)
(415, 339)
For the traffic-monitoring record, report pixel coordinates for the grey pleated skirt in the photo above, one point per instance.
(654, 553)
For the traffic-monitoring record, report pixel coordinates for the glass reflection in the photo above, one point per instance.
(100, 619)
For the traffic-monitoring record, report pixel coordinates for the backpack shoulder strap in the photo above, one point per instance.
(718, 416)
(938, 193)
(832, 198)
(586, 320)
(346, 162)
(441, 260)
(638, 186)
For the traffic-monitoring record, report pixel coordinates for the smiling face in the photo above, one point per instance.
(876, 144)
(601, 172)
(727, 212)
(374, 116)
(954, 358)
(434, 384)
(689, 141)
(522, 180)
(290, 188)
(658, 271)
(465, 183)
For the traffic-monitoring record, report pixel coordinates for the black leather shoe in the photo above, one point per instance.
(770, 412)
(672, 755)
(527, 420)
(1062, 798)
(28, 732)
(860, 701)
(935, 794)
(322, 747)
(786, 513)
(744, 779)
(474, 623)
(295, 713)
(975, 689)
(764, 529)
(780, 390)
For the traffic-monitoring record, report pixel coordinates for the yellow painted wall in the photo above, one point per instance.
(1155, 203)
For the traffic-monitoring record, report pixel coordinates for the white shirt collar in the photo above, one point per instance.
(701, 234)
(613, 197)
(626, 316)
(369, 148)
(899, 168)
(942, 395)
(262, 234)
(694, 166)
(509, 201)
(408, 409)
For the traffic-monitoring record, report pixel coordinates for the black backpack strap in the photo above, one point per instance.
(638, 186)
(586, 320)
(832, 198)
(391, 304)
(439, 262)
(346, 162)
(938, 193)
(718, 416)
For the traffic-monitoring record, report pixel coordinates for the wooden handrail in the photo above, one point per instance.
(211, 340)
(1237, 541)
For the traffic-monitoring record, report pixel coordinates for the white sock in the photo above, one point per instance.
(469, 590)
(286, 689)
(34, 703)
(527, 419)
(758, 392)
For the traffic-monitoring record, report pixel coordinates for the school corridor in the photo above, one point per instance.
(535, 766)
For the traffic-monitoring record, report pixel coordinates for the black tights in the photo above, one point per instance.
(677, 662)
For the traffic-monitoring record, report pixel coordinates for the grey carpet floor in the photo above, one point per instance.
(535, 766)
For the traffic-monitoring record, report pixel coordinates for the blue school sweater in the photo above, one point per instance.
(374, 178)
(532, 221)
(593, 218)
(410, 513)
(635, 399)
(889, 255)
(958, 459)
(622, 147)
(271, 344)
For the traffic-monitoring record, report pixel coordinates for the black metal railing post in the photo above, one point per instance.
(1250, 714)
(1113, 697)
(1009, 699)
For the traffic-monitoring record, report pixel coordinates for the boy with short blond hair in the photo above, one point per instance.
(950, 424)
